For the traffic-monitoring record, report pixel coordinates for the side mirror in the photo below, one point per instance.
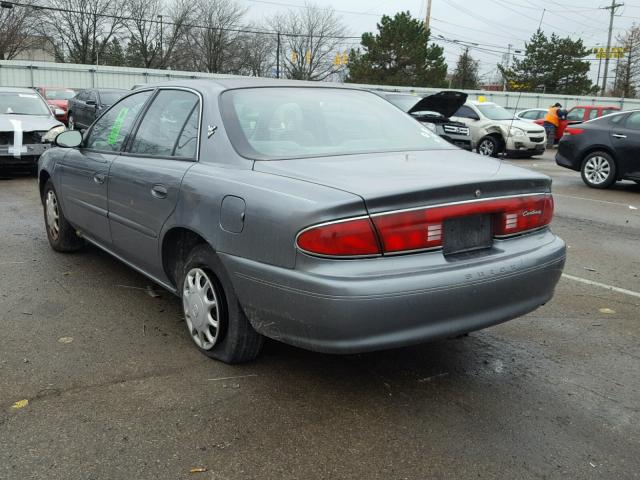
(91, 103)
(68, 139)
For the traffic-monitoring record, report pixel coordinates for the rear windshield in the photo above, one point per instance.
(403, 102)
(59, 94)
(109, 98)
(285, 123)
(23, 104)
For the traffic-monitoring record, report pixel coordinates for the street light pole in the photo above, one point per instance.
(161, 39)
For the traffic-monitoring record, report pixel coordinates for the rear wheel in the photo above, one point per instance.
(489, 147)
(215, 321)
(598, 170)
(62, 236)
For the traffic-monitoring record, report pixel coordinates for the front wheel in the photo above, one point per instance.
(215, 321)
(62, 236)
(598, 170)
(489, 147)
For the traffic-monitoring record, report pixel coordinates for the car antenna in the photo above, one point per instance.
(513, 119)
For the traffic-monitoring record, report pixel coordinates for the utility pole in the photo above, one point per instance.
(427, 19)
(161, 42)
(507, 63)
(612, 9)
(278, 57)
(544, 10)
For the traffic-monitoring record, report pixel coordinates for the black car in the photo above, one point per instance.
(88, 104)
(433, 111)
(604, 150)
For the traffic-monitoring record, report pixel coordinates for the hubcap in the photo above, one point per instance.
(486, 148)
(597, 170)
(200, 304)
(53, 215)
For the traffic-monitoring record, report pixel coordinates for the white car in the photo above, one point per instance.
(495, 130)
(532, 114)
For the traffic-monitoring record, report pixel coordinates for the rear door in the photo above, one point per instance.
(144, 181)
(84, 171)
(626, 141)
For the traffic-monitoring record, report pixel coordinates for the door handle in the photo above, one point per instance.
(159, 191)
(99, 178)
(618, 135)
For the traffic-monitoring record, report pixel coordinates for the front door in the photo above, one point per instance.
(144, 182)
(85, 171)
(626, 143)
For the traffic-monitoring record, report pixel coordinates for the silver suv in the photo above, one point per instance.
(495, 130)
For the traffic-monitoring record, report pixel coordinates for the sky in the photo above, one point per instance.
(491, 24)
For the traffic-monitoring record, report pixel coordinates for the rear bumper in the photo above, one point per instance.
(365, 305)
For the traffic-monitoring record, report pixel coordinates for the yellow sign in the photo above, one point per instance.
(294, 57)
(340, 59)
(614, 52)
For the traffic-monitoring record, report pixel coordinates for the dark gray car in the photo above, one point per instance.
(319, 216)
(89, 104)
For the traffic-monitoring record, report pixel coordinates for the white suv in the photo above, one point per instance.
(495, 130)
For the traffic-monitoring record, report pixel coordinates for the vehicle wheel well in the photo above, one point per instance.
(498, 136)
(601, 149)
(176, 245)
(44, 176)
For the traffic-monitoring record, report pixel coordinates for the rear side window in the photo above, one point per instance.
(169, 127)
(111, 130)
(465, 112)
(593, 113)
(633, 121)
(608, 111)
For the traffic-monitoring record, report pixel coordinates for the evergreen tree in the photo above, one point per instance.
(553, 65)
(113, 54)
(399, 54)
(465, 75)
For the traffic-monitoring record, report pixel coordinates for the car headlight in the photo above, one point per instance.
(51, 135)
(516, 132)
(430, 126)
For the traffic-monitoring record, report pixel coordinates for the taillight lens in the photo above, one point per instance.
(349, 238)
(423, 228)
(573, 131)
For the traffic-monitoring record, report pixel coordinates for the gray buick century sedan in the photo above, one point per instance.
(316, 215)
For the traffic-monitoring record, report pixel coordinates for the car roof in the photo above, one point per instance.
(598, 106)
(240, 82)
(16, 90)
(476, 102)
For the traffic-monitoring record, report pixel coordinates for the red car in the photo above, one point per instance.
(59, 98)
(581, 114)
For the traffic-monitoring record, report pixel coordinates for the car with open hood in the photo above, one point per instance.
(495, 130)
(27, 127)
(434, 112)
(313, 214)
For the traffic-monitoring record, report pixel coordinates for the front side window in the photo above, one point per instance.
(167, 128)
(22, 104)
(576, 115)
(593, 113)
(284, 123)
(112, 129)
(609, 111)
(530, 115)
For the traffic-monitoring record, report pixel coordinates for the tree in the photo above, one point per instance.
(113, 54)
(81, 29)
(627, 69)
(554, 65)
(16, 30)
(399, 54)
(258, 53)
(465, 75)
(311, 37)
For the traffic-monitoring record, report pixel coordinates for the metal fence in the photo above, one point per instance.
(36, 74)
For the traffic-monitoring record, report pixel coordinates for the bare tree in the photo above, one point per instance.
(311, 38)
(213, 45)
(627, 69)
(16, 30)
(82, 29)
(258, 53)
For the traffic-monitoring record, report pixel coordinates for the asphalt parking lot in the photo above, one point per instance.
(115, 389)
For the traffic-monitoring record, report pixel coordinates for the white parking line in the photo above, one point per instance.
(602, 285)
(626, 205)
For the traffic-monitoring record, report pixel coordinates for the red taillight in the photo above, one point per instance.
(573, 131)
(341, 239)
(423, 228)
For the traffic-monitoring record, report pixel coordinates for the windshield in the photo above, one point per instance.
(109, 98)
(403, 102)
(22, 104)
(495, 112)
(282, 123)
(59, 94)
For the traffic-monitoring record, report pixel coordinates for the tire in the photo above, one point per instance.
(489, 146)
(71, 122)
(229, 337)
(598, 170)
(62, 236)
